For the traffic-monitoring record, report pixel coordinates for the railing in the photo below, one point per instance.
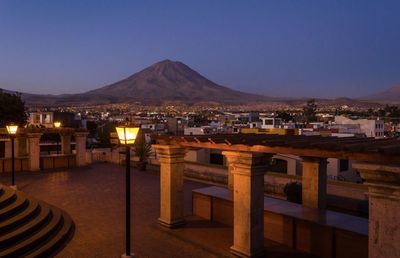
(20, 164)
(46, 162)
(57, 161)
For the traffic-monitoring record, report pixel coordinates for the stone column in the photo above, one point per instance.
(65, 143)
(34, 151)
(314, 182)
(231, 157)
(171, 184)
(7, 149)
(21, 144)
(80, 148)
(248, 203)
(383, 183)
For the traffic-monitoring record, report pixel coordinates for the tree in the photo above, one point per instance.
(103, 132)
(392, 111)
(310, 111)
(12, 109)
(284, 115)
(142, 151)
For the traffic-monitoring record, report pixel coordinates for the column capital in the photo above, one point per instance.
(247, 158)
(231, 154)
(382, 180)
(170, 152)
(34, 135)
(81, 134)
(314, 159)
(65, 133)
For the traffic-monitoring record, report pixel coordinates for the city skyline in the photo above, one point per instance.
(280, 49)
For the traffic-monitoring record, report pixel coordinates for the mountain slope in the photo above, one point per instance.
(171, 81)
(389, 95)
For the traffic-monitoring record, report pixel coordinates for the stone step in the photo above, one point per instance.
(36, 238)
(20, 218)
(41, 220)
(31, 228)
(7, 197)
(19, 204)
(57, 242)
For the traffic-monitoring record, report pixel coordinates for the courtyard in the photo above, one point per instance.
(94, 197)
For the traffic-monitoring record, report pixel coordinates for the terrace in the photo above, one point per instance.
(201, 220)
(94, 198)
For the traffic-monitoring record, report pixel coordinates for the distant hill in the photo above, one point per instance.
(391, 95)
(171, 81)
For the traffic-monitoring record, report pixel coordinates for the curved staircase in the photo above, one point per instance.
(31, 228)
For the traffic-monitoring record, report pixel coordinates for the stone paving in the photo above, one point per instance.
(94, 197)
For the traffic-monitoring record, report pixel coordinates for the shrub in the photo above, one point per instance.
(293, 192)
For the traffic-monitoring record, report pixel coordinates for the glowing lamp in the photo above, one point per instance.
(127, 135)
(12, 129)
(57, 124)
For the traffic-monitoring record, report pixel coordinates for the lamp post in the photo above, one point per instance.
(12, 131)
(57, 125)
(127, 136)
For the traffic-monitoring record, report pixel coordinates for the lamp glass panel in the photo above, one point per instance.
(127, 135)
(12, 129)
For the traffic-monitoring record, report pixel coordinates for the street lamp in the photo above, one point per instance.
(127, 136)
(57, 125)
(12, 131)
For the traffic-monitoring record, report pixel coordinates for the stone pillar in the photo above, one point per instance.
(248, 202)
(80, 148)
(20, 148)
(314, 182)
(21, 145)
(65, 143)
(7, 149)
(231, 156)
(383, 183)
(34, 151)
(171, 184)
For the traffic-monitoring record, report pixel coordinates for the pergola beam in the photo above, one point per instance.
(374, 157)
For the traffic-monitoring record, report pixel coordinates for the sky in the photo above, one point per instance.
(297, 48)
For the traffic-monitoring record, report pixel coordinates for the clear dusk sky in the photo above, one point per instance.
(297, 48)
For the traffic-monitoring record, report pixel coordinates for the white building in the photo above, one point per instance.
(370, 127)
(193, 131)
(255, 124)
(41, 119)
(270, 122)
(203, 130)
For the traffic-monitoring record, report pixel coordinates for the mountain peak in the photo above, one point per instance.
(167, 63)
(169, 80)
(164, 62)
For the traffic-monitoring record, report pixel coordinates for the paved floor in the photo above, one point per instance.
(94, 197)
